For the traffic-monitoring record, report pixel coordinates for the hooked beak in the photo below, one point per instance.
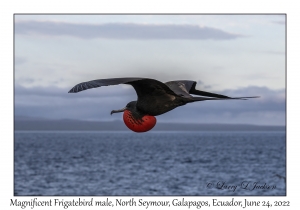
(116, 111)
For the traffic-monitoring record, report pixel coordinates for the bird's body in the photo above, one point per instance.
(154, 98)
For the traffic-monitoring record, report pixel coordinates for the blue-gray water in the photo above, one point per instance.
(153, 163)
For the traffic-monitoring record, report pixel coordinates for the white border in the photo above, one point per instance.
(8, 8)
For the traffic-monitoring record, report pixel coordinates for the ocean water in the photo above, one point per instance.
(153, 163)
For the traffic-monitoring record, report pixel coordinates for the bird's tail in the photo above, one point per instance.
(229, 98)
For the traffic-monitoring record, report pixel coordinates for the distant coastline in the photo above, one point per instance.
(39, 124)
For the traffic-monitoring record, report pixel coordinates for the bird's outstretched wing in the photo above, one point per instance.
(102, 82)
(143, 86)
(186, 87)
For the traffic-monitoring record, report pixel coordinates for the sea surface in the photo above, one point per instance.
(155, 163)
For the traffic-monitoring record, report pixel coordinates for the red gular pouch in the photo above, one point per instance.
(139, 125)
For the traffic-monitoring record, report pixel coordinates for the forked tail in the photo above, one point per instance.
(229, 98)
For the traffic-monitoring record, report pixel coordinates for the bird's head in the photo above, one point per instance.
(134, 119)
(131, 106)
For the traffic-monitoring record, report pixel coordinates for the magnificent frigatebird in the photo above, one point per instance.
(154, 98)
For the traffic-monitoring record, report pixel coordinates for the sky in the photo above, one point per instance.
(235, 55)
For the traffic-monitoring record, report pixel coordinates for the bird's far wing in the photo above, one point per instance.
(180, 87)
(186, 87)
(102, 82)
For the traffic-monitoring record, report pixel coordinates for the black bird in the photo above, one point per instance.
(154, 98)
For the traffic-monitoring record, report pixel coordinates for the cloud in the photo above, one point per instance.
(274, 52)
(56, 92)
(123, 31)
(20, 60)
(96, 104)
(280, 22)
